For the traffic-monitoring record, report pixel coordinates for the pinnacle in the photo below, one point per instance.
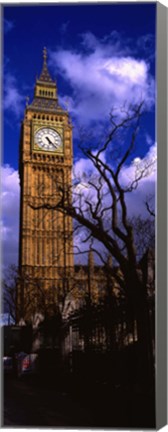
(45, 75)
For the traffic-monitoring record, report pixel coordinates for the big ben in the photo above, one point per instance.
(46, 245)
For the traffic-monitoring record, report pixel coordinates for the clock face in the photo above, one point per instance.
(48, 139)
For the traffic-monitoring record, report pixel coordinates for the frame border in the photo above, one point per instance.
(162, 215)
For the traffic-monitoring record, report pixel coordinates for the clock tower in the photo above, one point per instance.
(46, 243)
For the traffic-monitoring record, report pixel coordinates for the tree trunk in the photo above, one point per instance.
(140, 311)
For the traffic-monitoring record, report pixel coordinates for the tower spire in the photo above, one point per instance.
(45, 75)
(45, 92)
(45, 54)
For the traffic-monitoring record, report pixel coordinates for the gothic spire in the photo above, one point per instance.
(45, 76)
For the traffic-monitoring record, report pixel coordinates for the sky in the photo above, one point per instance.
(102, 56)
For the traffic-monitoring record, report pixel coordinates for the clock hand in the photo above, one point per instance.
(50, 142)
(48, 139)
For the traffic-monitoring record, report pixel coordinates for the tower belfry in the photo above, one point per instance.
(46, 245)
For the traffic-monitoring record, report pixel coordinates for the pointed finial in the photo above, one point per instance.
(45, 54)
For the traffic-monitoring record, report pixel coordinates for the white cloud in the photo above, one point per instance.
(13, 99)
(146, 186)
(10, 214)
(8, 25)
(148, 140)
(101, 78)
(82, 167)
(129, 173)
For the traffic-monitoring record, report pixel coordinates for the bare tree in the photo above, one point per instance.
(144, 234)
(9, 291)
(98, 204)
(17, 305)
(24, 297)
(149, 205)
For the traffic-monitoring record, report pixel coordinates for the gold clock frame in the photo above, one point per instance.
(56, 127)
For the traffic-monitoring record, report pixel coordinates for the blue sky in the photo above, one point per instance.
(100, 55)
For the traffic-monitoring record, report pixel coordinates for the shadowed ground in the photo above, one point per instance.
(31, 403)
